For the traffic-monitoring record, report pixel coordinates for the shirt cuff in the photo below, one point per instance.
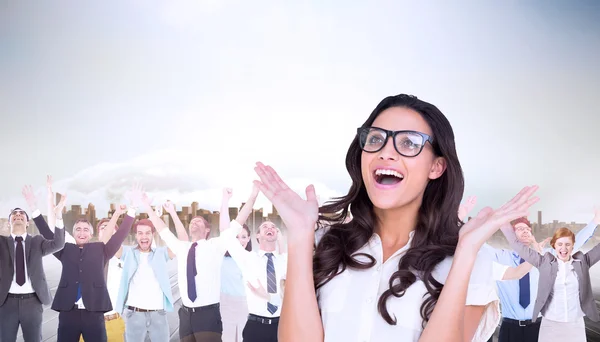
(131, 212)
(36, 213)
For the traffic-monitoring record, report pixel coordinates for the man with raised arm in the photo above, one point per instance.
(114, 324)
(145, 291)
(265, 273)
(82, 297)
(199, 273)
(23, 287)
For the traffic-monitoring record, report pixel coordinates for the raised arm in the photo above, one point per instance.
(115, 242)
(586, 233)
(50, 202)
(447, 322)
(246, 210)
(531, 256)
(162, 229)
(53, 242)
(112, 224)
(179, 228)
(514, 273)
(224, 213)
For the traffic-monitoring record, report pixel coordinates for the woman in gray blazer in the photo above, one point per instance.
(564, 290)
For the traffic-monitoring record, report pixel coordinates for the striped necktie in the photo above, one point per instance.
(271, 281)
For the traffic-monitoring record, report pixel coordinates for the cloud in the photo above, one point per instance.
(166, 175)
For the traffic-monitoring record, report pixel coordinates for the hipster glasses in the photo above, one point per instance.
(406, 143)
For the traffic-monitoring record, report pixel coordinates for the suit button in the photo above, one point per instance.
(80, 271)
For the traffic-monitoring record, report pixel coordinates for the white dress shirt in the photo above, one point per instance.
(254, 270)
(144, 290)
(14, 287)
(113, 281)
(348, 302)
(564, 306)
(27, 287)
(209, 257)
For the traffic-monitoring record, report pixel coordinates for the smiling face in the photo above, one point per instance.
(82, 232)
(267, 232)
(562, 242)
(144, 237)
(391, 179)
(564, 248)
(198, 229)
(18, 221)
(244, 237)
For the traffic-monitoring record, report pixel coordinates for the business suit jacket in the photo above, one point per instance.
(86, 266)
(547, 264)
(35, 248)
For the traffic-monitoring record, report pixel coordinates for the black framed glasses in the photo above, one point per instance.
(406, 143)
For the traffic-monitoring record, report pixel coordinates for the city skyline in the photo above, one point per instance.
(187, 96)
(258, 215)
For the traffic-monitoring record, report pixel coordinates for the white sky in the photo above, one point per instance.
(187, 95)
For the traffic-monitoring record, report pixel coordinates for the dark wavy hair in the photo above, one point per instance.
(436, 232)
(248, 246)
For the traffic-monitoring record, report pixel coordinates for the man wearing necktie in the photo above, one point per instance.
(23, 287)
(199, 275)
(515, 295)
(82, 296)
(267, 267)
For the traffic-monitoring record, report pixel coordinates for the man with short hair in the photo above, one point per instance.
(265, 273)
(23, 287)
(199, 272)
(145, 290)
(82, 297)
(114, 324)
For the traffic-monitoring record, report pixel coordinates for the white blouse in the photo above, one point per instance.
(348, 303)
(564, 306)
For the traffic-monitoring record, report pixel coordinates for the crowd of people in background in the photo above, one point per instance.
(395, 259)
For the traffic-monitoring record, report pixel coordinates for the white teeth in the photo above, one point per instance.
(394, 173)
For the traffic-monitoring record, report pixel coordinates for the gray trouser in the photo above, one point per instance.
(138, 324)
(24, 310)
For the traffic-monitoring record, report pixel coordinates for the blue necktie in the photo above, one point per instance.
(271, 281)
(78, 292)
(192, 272)
(524, 288)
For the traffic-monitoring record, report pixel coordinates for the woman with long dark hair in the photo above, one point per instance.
(379, 277)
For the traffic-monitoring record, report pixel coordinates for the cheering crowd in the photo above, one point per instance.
(389, 261)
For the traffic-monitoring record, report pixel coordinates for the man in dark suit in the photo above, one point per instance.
(82, 297)
(23, 287)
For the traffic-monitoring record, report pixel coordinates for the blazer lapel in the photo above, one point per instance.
(11, 248)
(27, 250)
